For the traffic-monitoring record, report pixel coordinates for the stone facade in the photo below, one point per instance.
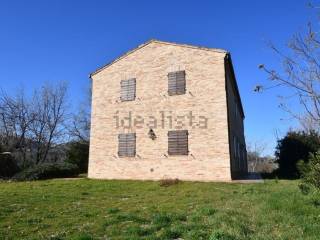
(210, 100)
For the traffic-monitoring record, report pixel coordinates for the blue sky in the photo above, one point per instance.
(49, 41)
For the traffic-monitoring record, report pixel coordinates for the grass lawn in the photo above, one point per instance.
(93, 209)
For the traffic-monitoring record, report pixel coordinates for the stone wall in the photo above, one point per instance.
(205, 98)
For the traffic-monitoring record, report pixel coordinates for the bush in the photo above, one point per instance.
(310, 173)
(293, 147)
(47, 171)
(8, 166)
(78, 153)
(168, 182)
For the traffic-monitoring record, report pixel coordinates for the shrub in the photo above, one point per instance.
(293, 147)
(304, 188)
(8, 166)
(310, 173)
(78, 153)
(168, 182)
(47, 171)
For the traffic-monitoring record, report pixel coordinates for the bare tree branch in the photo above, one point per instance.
(300, 74)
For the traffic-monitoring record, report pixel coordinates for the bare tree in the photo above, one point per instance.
(80, 123)
(49, 116)
(14, 123)
(255, 155)
(32, 127)
(300, 75)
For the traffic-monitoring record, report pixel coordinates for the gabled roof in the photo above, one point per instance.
(155, 41)
(228, 58)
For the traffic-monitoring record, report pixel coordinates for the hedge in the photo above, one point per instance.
(47, 171)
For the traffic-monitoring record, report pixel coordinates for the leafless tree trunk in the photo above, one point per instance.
(255, 152)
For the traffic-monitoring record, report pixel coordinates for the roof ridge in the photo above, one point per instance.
(157, 41)
(189, 45)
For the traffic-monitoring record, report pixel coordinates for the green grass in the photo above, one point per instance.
(92, 209)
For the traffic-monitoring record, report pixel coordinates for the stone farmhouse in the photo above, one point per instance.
(167, 110)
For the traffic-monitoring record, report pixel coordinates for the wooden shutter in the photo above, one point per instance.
(122, 145)
(178, 142)
(177, 83)
(128, 89)
(127, 145)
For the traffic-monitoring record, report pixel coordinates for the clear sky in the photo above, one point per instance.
(42, 40)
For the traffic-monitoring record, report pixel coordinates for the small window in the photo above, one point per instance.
(234, 147)
(244, 159)
(238, 151)
(128, 89)
(241, 157)
(177, 83)
(235, 110)
(178, 142)
(127, 145)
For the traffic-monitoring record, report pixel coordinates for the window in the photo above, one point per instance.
(241, 157)
(244, 152)
(127, 145)
(128, 90)
(177, 83)
(178, 142)
(238, 155)
(235, 109)
(234, 147)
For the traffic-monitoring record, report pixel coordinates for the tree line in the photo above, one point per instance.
(40, 127)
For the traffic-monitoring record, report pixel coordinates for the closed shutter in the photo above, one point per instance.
(128, 89)
(127, 145)
(234, 153)
(241, 157)
(178, 142)
(238, 155)
(177, 83)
